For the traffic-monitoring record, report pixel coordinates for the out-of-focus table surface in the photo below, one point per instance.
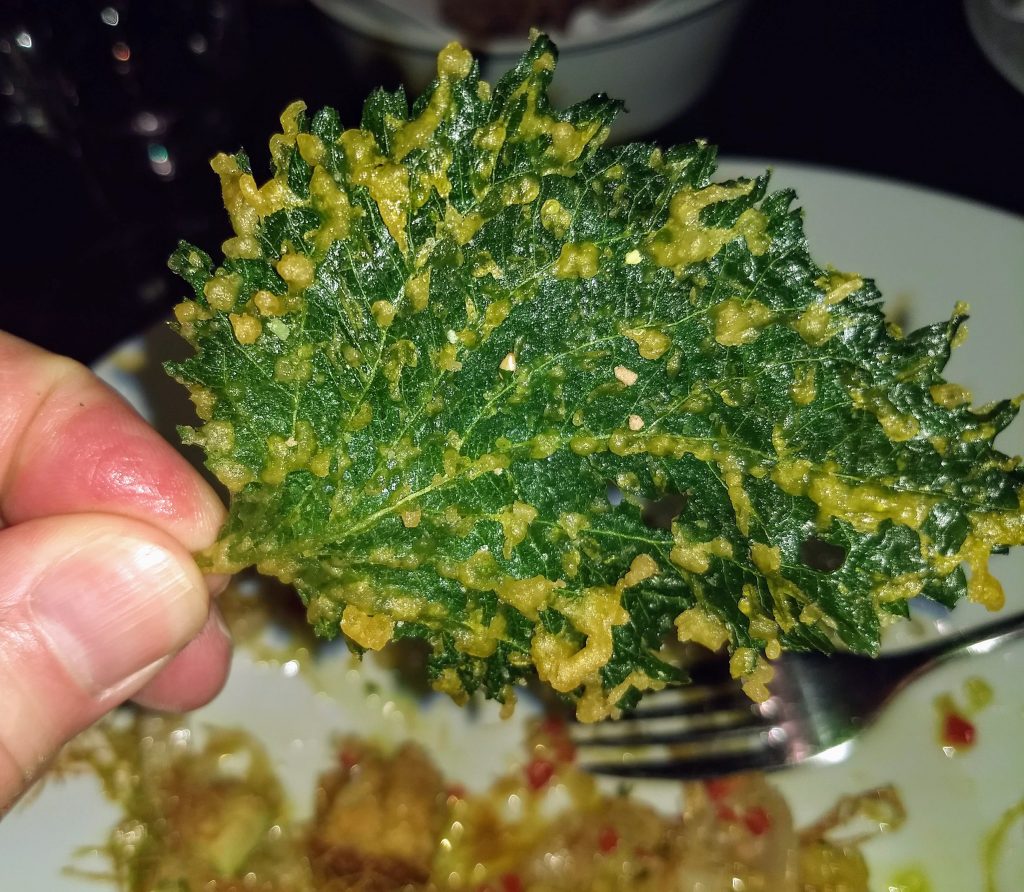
(895, 89)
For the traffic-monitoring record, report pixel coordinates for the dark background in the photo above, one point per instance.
(91, 209)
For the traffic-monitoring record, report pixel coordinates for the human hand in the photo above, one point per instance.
(100, 599)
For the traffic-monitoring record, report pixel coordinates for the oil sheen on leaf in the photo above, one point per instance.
(436, 341)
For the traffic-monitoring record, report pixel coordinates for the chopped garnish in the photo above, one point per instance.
(607, 839)
(538, 773)
(757, 820)
(719, 787)
(511, 882)
(958, 732)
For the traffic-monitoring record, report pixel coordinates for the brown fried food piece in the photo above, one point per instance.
(378, 820)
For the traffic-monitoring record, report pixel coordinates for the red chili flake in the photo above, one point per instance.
(556, 731)
(565, 750)
(539, 772)
(510, 882)
(958, 731)
(607, 839)
(718, 787)
(350, 757)
(757, 820)
(553, 726)
(726, 813)
(455, 791)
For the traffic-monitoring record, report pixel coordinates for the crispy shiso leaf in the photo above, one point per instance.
(439, 341)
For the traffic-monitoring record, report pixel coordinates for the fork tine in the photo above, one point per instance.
(677, 716)
(745, 750)
(685, 701)
(675, 726)
(705, 764)
(670, 729)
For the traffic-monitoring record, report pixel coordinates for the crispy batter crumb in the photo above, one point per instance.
(626, 376)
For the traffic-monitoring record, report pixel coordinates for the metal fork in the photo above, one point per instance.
(818, 704)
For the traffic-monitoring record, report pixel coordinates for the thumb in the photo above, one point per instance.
(91, 607)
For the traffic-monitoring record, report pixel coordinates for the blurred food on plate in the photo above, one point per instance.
(212, 814)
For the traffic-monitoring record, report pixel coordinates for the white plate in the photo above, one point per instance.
(926, 251)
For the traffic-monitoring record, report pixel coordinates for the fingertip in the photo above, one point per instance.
(196, 674)
(76, 446)
(216, 583)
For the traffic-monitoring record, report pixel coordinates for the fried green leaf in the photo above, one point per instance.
(474, 377)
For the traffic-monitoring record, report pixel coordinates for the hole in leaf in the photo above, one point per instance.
(822, 556)
(614, 495)
(660, 513)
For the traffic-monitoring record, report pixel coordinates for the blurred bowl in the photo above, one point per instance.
(998, 26)
(659, 57)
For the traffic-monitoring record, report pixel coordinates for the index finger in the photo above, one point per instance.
(69, 444)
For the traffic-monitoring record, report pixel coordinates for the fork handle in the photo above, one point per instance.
(979, 640)
(880, 679)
